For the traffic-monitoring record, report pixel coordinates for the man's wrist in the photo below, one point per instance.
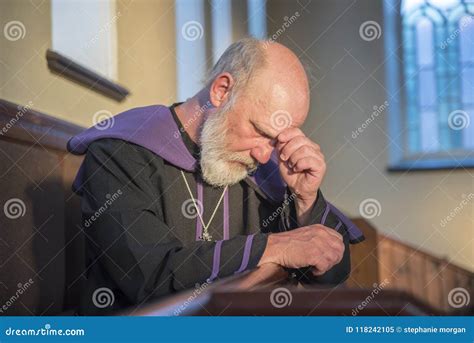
(303, 209)
(268, 255)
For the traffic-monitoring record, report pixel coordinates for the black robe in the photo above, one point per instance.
(142, 232)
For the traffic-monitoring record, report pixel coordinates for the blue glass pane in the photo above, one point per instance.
(438, 42)
(468, 132)
(424, 40)
(410, 5)
(466, 29)
(429, 132)
(427, 88)
(444, 4)
(468, 86)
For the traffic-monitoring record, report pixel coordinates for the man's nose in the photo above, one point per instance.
(262, 153)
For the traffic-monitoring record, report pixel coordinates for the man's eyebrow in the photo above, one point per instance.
(263, 131)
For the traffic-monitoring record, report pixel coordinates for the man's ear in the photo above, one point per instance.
(220, 89)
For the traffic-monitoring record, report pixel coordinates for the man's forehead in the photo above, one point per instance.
(273, 125)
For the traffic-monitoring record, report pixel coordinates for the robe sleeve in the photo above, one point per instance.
(136, 250)
(326, 214)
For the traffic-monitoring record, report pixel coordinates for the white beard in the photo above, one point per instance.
(219, 167)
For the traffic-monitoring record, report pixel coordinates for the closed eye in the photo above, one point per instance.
(261, 132)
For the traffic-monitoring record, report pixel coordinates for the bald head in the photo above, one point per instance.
(283, 81)
(264, 74)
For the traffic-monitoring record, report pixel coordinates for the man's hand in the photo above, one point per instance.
(302, 167)
(314, 246)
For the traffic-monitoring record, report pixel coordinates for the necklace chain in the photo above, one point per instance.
(205, 234)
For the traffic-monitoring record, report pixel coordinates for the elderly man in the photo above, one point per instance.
(222, 183)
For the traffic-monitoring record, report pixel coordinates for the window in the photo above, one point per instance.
(204, 30)
(436, 87)
(257, 24)
(85, 31)
(191, 56)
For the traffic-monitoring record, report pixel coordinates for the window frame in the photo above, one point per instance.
(399, 158)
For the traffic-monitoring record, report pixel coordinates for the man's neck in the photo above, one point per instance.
(191, 114)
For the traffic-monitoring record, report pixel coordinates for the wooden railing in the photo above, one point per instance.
(268, 291)
(401, 266)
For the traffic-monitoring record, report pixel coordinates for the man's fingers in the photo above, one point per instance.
(310, 163)
(317, 272)
(288, 134)
(303, 152)
(286, 150)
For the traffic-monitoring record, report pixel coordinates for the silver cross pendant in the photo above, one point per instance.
(206, 237)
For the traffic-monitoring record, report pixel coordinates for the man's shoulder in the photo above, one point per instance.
(120, 149)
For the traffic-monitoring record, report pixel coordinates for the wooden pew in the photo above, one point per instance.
(268, 291)
(43, 241)
(404, 267)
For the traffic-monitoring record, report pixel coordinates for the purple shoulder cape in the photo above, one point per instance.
(154, 128)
